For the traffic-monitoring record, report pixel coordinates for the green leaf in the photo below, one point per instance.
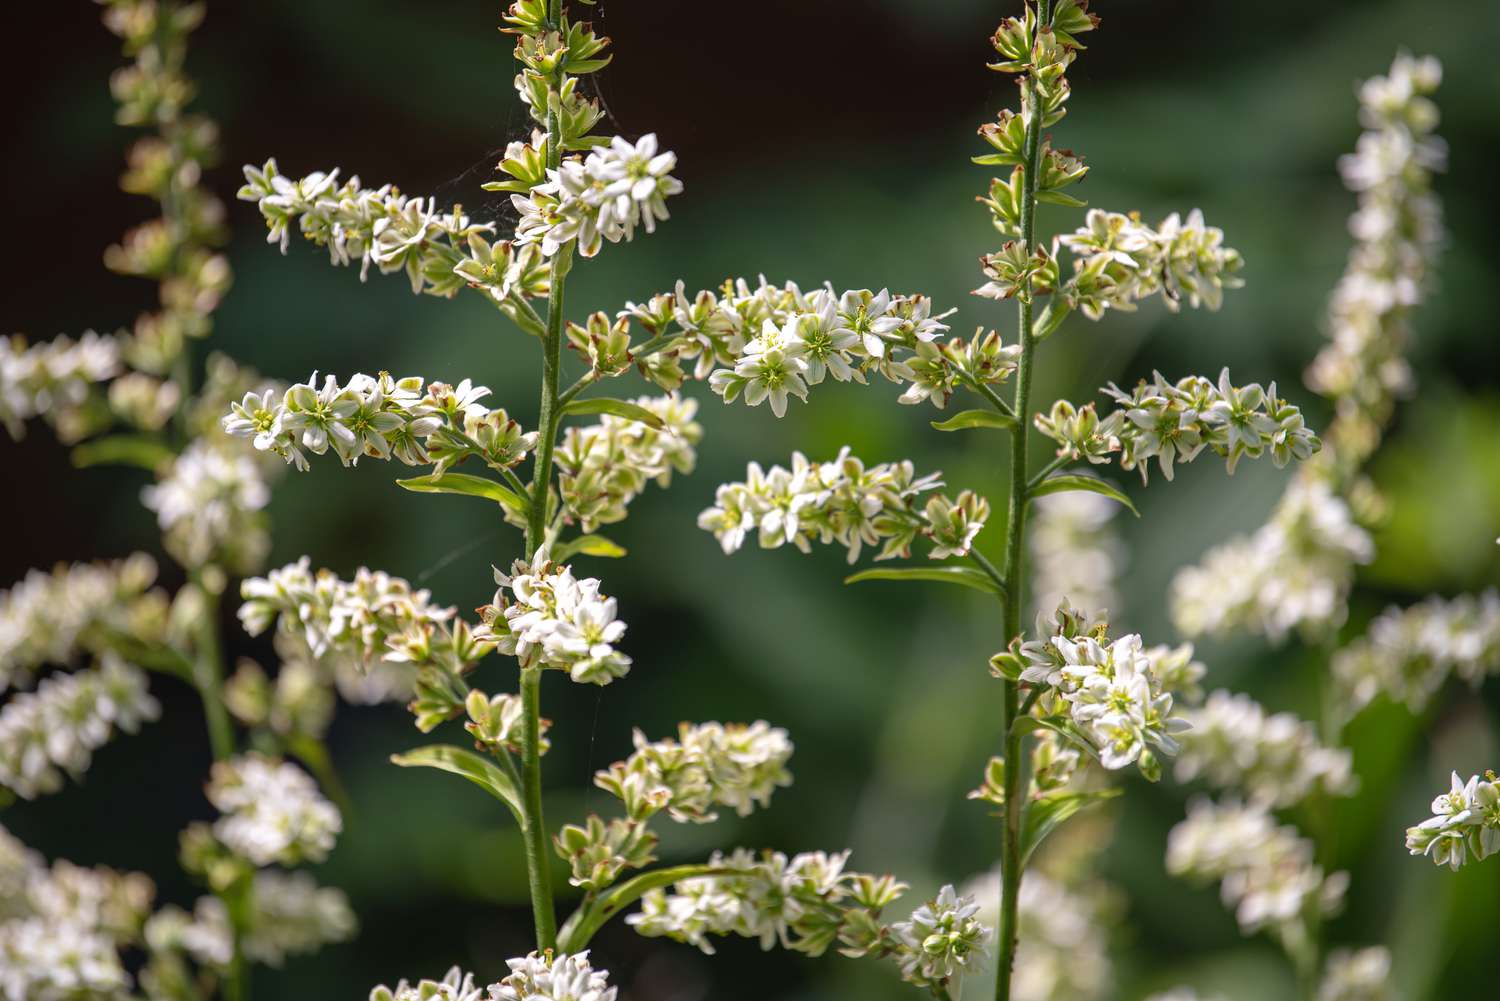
(1060, 484)
(463, 483)
(480, 771)
(1058, 198)
(1043, 816)
(582, 925)
(619, 408)
(1063, 727)
(976, 419)
(996, 159)
(967, 576)
(141, 450)
(588, 545)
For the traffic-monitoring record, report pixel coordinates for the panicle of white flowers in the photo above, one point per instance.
(1062, 952)
(50, 618)
(272, 811)
(1293, 573)
(455, 986)
(1267, 872)
(1119, 261)
(552, 619)
(1407, 654)
(1273, 758)
(1465, 821)
(807, 903)
(710, 764)
(545, 976)
(56, 729)
(1076, 554)
(380, 226)
(847, 502)
(62, 927)
(603, 467)
(1110, 689)
(1174, 422)
(53, 379)
(1296, 571)
(603, 195)
(383, 417)
(208, 503)
(1357, 975)
(941, 940)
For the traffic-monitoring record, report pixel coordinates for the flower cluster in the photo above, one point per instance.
(1174, 422)
(272, 812)
(1465, 821)
(62, 927)
(382, 417)
(551, 619)
(1110, 690)
(548, 977)
(1407, 654)
(455, 986)
(1062, 953)
(49, 618)
(1274, 759)
(1076, 554)
(208, 504)
(806, 903)
(58, 727)
(379, 226)
(1267, 871)
(1293, 573)
(288, 915)
(1357, 975)
(846, 502)
(53, 379)
(602, 196)
(941, 940)
(1118, 261)
(710, 764)
(603, 467)
(1296, 571)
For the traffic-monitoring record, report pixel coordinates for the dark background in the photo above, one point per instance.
(817, 141)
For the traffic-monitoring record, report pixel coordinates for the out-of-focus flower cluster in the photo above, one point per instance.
(1275, 758)
(552, 619)
(539, 976)
(1357, 975)
(603, 195)
(1062, 953)
(380, 226)
(710, 764)
(603, 467)
(1465, 821)
(1266, 871)
(1076, 555)
(1407, 654)
(1119, 261)
(844, 501)
(62, 926)
(54, 379)
(1296, 572)
(208, 504)
(272, 812)
(1174, 422)
(382, 417)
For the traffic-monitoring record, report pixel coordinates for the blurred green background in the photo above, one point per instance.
(817, 141)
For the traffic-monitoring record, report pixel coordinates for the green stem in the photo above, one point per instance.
(534, 831)
(1047, 470)
(1010, 839)
(208, 675)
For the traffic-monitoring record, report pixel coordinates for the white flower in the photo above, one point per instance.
(456, 986)
(207, 502)
(942, 939)
(1357, 975)
(272, 811)
(552, 619)
(1118, 261)
(1465, 821)
(603, 467)
(710, 764)
(52, 379)
(548, 977)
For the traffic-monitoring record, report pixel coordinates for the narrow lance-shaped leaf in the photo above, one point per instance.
(582, 925)
(463, 483)
(618, 408)
(976, 419)
(1061, 484)
(588, 545)
(966, 576)
(480, 771)
(1043, 816)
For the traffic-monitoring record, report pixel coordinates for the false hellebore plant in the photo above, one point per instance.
(76, 642)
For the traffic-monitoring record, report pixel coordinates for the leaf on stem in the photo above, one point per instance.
(976, 419)
(1060, 725)
(480, 771)
(140, 450)
(967, 576)
(1045, 815)
(463, 483)
(592, 914)
(619, 408)
(1060, 484)
(588, 545)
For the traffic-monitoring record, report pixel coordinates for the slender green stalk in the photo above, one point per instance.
(535, 834)
(1010, 839)
(208, 675)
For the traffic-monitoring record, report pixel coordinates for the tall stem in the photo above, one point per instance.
(534, 826)
(208, 675)
(1015, 530)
